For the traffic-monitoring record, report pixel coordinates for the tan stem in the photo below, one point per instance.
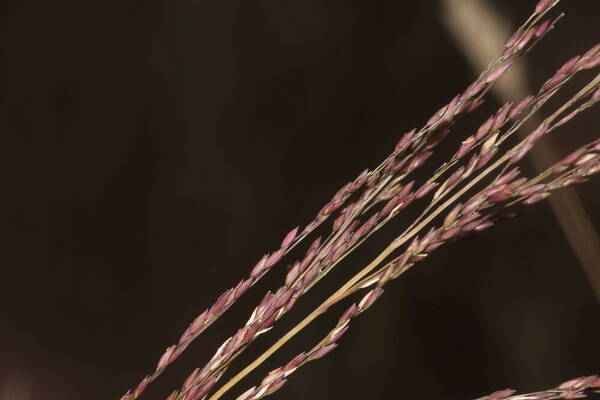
(480, 32)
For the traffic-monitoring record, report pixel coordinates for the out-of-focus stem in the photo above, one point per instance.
(480, 31)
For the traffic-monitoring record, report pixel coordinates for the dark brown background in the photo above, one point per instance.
(153, 150)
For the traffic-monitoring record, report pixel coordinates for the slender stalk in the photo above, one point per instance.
(470, 99)
(307, 320)
(585, 162)
(403, 238)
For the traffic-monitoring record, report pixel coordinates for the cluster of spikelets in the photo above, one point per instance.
(376, 196)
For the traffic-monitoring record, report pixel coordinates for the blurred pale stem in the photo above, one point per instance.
(480, 30)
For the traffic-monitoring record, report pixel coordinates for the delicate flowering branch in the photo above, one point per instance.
(577, 388)
(376, 196)
(499, 190)
(464, 219)
(410, 153)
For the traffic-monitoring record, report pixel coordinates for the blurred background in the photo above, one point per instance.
(153, 151)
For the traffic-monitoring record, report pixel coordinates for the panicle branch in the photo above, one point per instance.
(374, 197)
